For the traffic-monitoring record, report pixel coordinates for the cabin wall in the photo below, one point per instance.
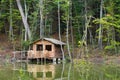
(45, 49)
(44, 53)
(58, 52)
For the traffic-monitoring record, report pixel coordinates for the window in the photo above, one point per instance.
(49, 74)
(39, 47)
(49, 47)
(39, 74)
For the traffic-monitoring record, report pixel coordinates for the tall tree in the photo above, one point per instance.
(67, 13)
(26, 13)
(58, 2)
(41, 19)
(100, 26)
(11, 26)
(27, 28)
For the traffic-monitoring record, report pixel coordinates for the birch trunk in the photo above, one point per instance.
(26, 18)
(11, 28)
(100, 27)
(41, 19)
(86, 21)
(71, 27)
(27, 28)
(59, 29)
(67, 31)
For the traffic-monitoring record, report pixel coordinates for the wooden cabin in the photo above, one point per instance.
(46, 48)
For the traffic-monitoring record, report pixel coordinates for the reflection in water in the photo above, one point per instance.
(63, 68)
(45, 71)
(69, 71)
(42, 72)
(65, 71)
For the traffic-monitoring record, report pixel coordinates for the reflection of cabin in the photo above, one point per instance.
(42, 72)
(47, 48)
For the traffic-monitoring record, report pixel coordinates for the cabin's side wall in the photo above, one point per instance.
(58, 52)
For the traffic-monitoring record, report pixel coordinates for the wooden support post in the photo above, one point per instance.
(37, 60)
(59, 60)
(54, 60)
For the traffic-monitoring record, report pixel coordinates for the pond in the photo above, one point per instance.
(63, 71)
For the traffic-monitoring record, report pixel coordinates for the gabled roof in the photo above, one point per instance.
(54, 41)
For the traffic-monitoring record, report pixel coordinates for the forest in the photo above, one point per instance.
(59, 39)
(88, 24)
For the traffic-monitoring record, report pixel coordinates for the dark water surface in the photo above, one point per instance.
(67, 71)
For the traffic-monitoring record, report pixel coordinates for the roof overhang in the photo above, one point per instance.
(54, 41)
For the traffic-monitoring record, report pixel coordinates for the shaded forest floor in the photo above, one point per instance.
(5, 46)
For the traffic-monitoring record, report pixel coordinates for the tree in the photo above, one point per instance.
(100, 26)
(11, 24)
(41, 19)
(60, 28)
(27, 28)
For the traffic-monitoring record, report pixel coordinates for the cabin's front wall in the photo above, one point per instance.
(44, 52)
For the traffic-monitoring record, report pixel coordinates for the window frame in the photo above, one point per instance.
(48, 47)
(39, 47)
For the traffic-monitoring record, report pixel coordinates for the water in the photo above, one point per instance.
(78, 71)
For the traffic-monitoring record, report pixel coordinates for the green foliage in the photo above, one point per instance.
(81, 43)
(76, 11)
(110, 47)
(87, 70)
(84, 67)
(114, 46)
(25, 44)
(110, 25)
(82, 63)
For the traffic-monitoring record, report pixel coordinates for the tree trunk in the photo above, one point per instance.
(26, 19)
(11, 28)
(71, 27)
(59, 29)
(100, 27)
(67, 30)
(86, 23)
(27, 28)
(41, 20)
